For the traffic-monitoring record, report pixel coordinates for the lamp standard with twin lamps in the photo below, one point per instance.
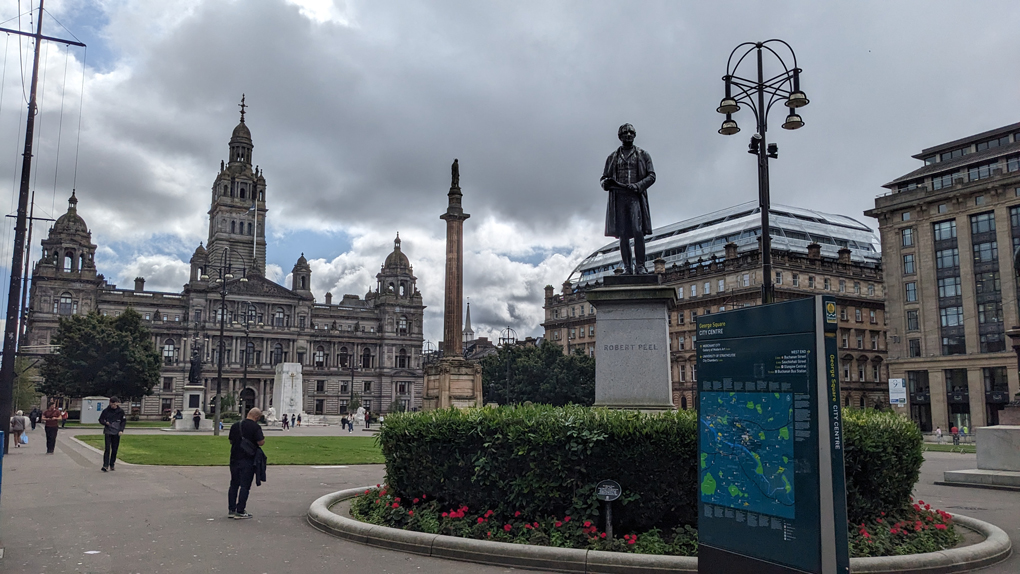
(249, 314)
(224, 274)
(784, 86)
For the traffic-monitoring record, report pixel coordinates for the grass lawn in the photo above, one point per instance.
(199, 450)
(130, 424)
(963, 448)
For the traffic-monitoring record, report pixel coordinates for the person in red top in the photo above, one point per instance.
(51, 420)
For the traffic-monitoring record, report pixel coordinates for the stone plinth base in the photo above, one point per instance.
(452, 382)
(633, 370)
(998, 448)
(1010, 415)
(187, 424)
(982, 478)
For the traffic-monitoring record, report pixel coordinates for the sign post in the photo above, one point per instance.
(771, 484)
(897, 393)
(608, 491)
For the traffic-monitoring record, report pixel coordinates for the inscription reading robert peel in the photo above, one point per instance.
(643, 347)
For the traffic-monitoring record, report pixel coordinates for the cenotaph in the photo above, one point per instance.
(288, 393)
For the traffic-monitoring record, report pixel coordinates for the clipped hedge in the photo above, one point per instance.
(545, 461)
(882, 456)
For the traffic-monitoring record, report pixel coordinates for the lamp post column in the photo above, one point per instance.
(763, 191)
(219, 362)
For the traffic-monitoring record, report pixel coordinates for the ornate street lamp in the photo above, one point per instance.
(224, 274)
(507, 340)
(784, 87)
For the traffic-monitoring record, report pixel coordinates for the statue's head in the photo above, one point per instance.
(626, 133)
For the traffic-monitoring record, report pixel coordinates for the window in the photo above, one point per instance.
(796, 280)
(681, 343)
(168, 384)
(905, 216)
(860, 340)
(366, 359)
(320, 404)
(982, 223)
(951, 316)
(169, 352)
(591, 330)
(1013, 164)
(953, 345)
(987, 282)
(871, 290)
(873, 316)
(992, 343)
(861, 377)
(945, 230)
(402, 357)
(857, 288)
(811, 281)
(846, 340)
(680, 292)
(343, 406)
(827, 284)
(248, 356)
(344, 387)
(948, 155)
(842, 286)
(680, 317)
(842, 314)
(979, 200)
(983, 171)
(367, 386)
(907, 236)
(402, 324)
(301, 321)
(342, 357)
(943, 208)
(987, 252)
(319, 357)
(908, 264)
(277, 354)
(198, 316)
(941, 181)
(990, 313)
(911, 291)
(779, 277)
(949, 287)
(858, 315)
(914, 346)
(993, 143)
(721, 286)
(874, 341)
(278, 317)
(912, 320)
(694, 290)
(947, 258)
(995, 379)
(320, 386)
(402, 388)
(745, 280)
(846, 372)
(65, 305)
(707, 288)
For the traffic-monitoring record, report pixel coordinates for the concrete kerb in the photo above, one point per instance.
(995, 548)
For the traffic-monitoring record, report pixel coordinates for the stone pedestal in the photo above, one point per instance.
(452, 382)
(188, 423)
(632, 369)
(998, 460)
(288, 390)
(194, 398)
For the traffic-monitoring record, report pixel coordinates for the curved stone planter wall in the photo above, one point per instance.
(995, 548)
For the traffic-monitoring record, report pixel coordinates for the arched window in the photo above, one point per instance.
(225, 189)
(81, 261)
(278, 317)
(249, 229)
(302, 281)
(392, 287)
(846, 401)
(233, 227)
(402, 359)
(249, 355)
(65, 306)
(366, 359)
(169, 352)
(342, 357)
(69, 261)
(320, 357)
(241, 194)
(403, 289)
(862, 401)
(683, 403)
(402, 325)
(277, 354)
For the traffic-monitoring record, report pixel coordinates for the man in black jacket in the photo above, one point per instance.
(245, 439)
(113, 420)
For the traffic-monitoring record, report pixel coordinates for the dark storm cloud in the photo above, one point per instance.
(356, 122)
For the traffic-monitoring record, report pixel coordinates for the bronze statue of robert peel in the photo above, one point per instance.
(627, 177)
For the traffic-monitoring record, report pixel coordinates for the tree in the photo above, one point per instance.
(99, 355)
(541, 374)
(26, 395)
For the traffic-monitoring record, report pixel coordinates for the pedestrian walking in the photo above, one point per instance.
(938, 435)
(285, 422)
(343, 423)
(292, 420)
(113, 420)
(63, 417)
(197, 418)
(51, 420)
(956, 434)
(245, 439)
(299, 419)
(18, 425)
(368, 419)
(34, 416)
(963, 433)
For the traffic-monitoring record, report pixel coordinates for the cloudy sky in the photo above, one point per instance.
(358, 108)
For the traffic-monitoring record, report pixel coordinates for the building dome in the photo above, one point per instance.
(200, 251)
(71, 222)
(241, 132)
(397, 259)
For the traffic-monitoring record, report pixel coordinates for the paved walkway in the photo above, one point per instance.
(61, 514)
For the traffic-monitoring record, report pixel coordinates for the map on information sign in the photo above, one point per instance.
(746, 458)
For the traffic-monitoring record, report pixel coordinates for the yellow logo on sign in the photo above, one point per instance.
(830, 307)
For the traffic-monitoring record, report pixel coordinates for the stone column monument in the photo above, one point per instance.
(453, 381)
(288, 393)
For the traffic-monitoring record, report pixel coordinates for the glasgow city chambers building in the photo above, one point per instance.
(365, 348)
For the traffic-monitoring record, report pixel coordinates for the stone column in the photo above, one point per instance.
(454, 300)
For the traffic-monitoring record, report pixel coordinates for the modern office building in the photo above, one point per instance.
(714, 262)
(949, 231)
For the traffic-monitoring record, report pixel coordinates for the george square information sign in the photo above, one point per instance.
(772, 496)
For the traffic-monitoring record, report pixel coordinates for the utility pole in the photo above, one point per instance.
(17, 259)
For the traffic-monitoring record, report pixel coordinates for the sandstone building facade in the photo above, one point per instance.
(949, 233)
(714, 263)
(366, 348)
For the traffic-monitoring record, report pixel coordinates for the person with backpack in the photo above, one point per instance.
(245, 439)
(113, 420)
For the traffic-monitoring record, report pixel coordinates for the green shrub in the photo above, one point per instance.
(882, 456)
(546, 461)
